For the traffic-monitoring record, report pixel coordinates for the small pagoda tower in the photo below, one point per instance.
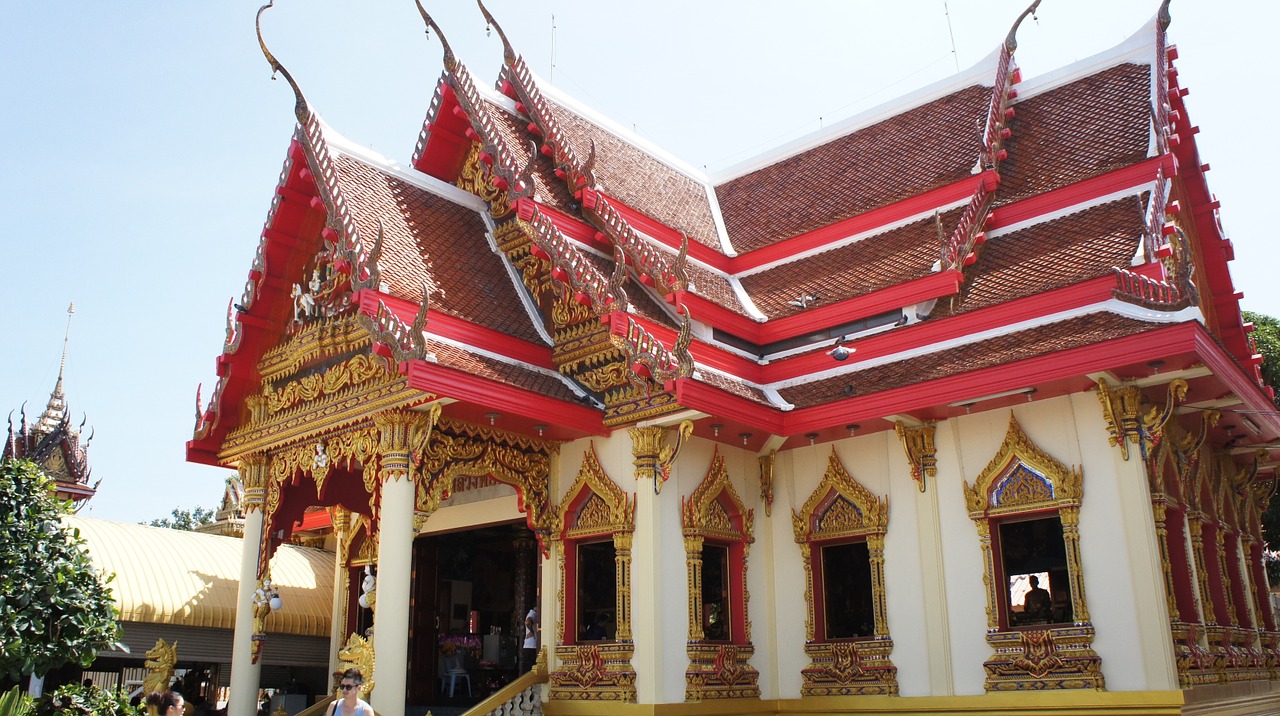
(52, 442)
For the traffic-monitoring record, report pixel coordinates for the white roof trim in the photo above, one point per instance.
(1111, 305)
(559, 96)
(1135, 190)
(339, 144)
(505, 359)
(855, 238)
(1139, 49)
(982, 73)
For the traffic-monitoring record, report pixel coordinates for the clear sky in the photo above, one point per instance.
(144, 140)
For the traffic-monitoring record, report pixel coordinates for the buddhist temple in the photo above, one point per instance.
(52, 442)
(946, 403)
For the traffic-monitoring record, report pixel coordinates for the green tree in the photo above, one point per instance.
(1266, 337)
(185, 519)
(55, 608)
(77, 700)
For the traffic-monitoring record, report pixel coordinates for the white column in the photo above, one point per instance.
(395, 564)
(338, 613)
(243, 700)
(1146, 571)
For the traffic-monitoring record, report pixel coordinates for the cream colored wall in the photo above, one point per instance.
(936, 606)
(1125, 587)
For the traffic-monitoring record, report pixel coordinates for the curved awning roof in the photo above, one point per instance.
(166, 576)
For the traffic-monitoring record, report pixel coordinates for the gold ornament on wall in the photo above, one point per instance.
(1022, 479)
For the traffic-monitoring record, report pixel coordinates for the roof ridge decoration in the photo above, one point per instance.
(966, 240)
(360, 265)
(650, 264)
(483, 129)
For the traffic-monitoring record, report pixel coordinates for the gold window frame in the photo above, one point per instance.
(595, 671)
(1056, 657)
(841, 508)
(715, 512)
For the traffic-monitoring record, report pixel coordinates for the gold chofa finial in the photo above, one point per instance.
(300, 108)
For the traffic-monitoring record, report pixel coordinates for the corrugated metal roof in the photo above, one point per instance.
(166, 576)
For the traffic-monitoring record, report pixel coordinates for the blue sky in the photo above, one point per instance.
(143, 143)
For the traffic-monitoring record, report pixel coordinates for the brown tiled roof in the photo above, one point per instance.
(714, 287)
(1080, 130)
(918, 150)
(547, 188)
(876, 262)
(734, 386)
(451, 356)
(649, 186)
(430, 239)
(1054, 254)
(1031, 343)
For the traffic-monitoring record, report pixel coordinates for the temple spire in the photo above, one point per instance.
(56, 410)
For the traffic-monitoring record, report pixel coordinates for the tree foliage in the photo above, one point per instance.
(185, 519)
(55, 609)
(75, 699)
(1266, 337)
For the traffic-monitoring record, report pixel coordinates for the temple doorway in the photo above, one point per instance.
(471, 590)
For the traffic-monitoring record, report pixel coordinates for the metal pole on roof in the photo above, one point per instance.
(947, 11)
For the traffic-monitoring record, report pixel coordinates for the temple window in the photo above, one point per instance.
(717, 533)
(1034, 561)
(1026, 507)
(841, 531)
(848, 598)
(597, 591)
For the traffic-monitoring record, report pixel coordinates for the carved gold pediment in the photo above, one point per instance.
(594, 503)
(1021, 477)
(714, 509)
(839, 507)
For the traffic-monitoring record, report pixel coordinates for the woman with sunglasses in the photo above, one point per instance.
(350, 703)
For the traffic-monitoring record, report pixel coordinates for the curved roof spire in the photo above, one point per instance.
(508, 54)
(56, 410)
(1011, 40)
(450, 60)
(300, 108)
(1163, 18)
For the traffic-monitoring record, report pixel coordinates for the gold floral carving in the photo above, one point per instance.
(254, 471)
(353, 371)
(1023, 478)
(594, 672)
(715, 511)
(840, 507)
(921, 453)
(767, 463)
(1127, 422)
(316, 341)
(595, 505)
(477, 178)
(610, 375)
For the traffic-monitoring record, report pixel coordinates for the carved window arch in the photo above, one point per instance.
(595, 527)
(843, 523)
(1026, 506)
(718, 532)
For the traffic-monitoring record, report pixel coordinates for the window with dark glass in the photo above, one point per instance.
(847, 595)
(1033, 556)
(597, 591)
(715, 593)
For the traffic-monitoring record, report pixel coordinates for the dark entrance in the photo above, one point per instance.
(471, 590)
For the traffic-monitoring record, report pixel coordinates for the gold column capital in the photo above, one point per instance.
(921, 453)
(653, 456)
(254, 469)
(400, 433)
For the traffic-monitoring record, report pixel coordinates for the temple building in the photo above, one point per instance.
(901, 417)
(52, 442)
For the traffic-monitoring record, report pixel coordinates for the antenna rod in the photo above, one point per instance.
(552, 78)
(947, 11)
(66, 338)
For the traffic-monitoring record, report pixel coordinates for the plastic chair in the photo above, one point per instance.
(452, 676)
